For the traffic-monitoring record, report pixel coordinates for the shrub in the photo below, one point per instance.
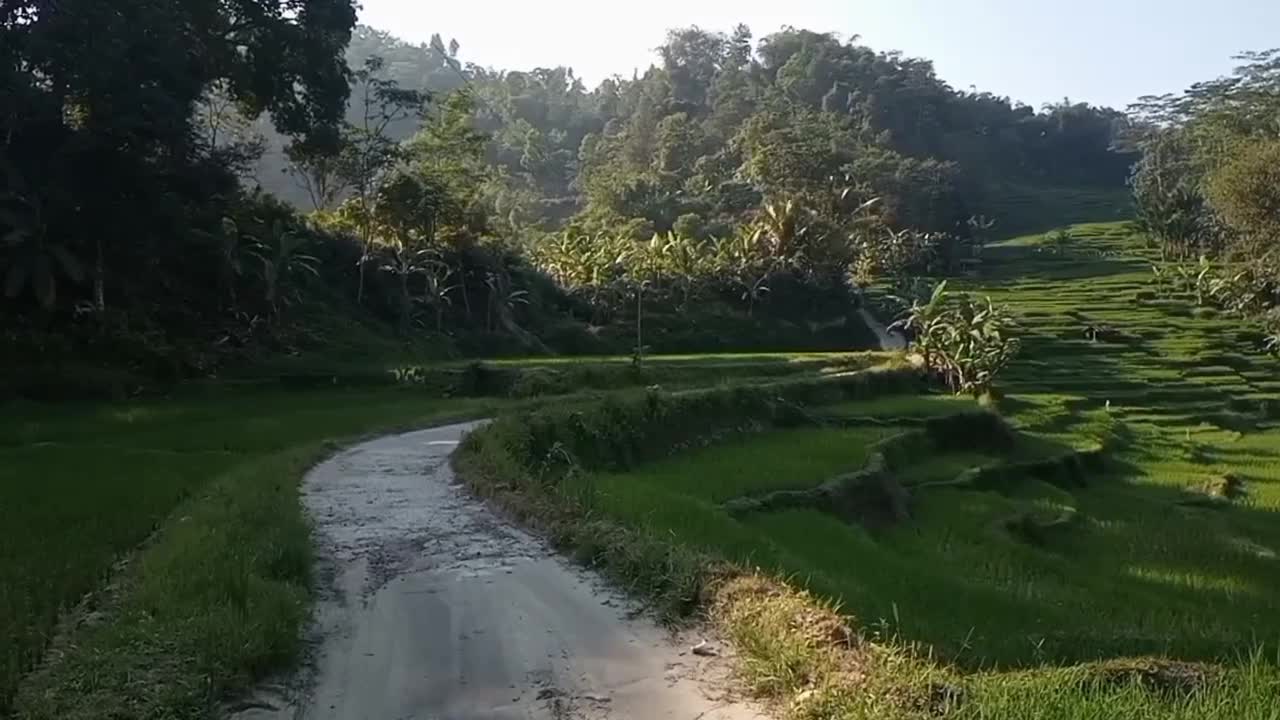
(617, 433)
(966, 342)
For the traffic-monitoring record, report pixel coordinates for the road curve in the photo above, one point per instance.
(432, 607)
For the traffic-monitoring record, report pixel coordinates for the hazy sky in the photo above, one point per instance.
(1106, 52)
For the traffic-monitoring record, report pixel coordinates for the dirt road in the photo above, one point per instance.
(435, 608)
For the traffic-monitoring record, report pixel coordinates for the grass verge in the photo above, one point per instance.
(217, 599)
(213, 598)
(219, 594)
(797, 651)
(1055, 589)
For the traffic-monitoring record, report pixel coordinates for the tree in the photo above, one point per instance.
(33, 260)
(1166, 186)
(281, 259)
(449, 152)
(1206, 185)
(969, 342)
(102, 115)
(406, 216)
(368, 153)
(325, 173)
(976, 345)
(921, 320)
(1245, 192)
(437, 293)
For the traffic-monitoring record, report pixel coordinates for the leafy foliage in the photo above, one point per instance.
(121, 152)
(965, 341)
(441, 192)
(1206, 187)
(720, 122)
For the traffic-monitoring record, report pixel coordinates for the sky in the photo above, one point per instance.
(1104, 52)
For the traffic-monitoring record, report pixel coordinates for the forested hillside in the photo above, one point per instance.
(304, 186)
(240, 236)
(720, 122)
(1207, 190)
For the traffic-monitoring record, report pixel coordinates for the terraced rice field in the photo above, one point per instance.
(1170, 549)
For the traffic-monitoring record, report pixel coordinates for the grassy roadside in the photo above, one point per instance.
(649, 530)
(1157, 600)
(216, 596)
(219, 594)
(797, 650)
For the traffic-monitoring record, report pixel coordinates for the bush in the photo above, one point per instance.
(1245, 190)
(618, 433)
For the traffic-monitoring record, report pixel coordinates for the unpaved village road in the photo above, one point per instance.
(433, 607)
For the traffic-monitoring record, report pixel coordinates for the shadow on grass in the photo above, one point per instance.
(1139, 571)
(1120, 565)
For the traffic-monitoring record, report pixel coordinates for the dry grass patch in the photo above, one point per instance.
(800, 653)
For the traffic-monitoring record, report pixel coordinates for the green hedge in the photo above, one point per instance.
(534, 379)
(518, 460)
(617, 433)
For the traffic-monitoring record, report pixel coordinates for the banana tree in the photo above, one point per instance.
(282, 258)
(437, 293)
(921, 322)
(1058, 241)
(745, 259)
(783, 224)
(980, 227)
(1272, 321)
(1237, 293)
(31, 260)
(684, 261)
(975, 344)
(404, 262)
(1205, 278)
(645, 272)
(1183, 278)
(503, 299)
(231, 256)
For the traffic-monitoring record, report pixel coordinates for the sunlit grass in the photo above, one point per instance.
(1140, 562)
(756, 464)
(81, 486)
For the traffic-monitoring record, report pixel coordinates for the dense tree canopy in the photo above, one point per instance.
(108, 155)
(446, 196)
(721, 122)
(1208, 184)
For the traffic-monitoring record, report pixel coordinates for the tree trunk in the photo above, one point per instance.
(526, 338)
(365, 243)
(640, 326)
(466, 297)
(405, 303)
(99, 282)
(271, 280)
(360, 283)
